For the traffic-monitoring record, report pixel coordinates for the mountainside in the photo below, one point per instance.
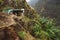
(49, 8)
(30, 26)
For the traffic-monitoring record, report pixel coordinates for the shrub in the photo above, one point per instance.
(45, 28)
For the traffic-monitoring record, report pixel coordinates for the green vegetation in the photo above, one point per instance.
(45, 29)
(22, 34)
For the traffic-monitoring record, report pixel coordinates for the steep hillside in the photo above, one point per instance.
(49, 8)
(30, 26)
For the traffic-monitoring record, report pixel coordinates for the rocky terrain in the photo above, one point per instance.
(11, 25)
(30, 26)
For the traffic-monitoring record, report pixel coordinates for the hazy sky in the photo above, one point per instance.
(28, 0)
(32, 2)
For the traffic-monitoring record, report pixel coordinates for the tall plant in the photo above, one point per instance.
(45, 29)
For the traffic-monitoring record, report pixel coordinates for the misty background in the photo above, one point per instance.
(47, 8)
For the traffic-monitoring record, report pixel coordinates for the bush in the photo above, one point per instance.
(45, 29)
